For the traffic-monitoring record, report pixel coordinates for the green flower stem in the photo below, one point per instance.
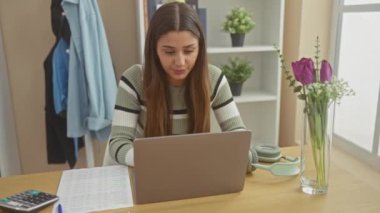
(317, 120)
(317, 70)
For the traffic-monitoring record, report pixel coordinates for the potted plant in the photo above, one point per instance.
(237, 71)
(238, 22)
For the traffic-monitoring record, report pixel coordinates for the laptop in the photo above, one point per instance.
(191, 165)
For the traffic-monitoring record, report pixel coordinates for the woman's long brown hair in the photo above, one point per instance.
(175, 17)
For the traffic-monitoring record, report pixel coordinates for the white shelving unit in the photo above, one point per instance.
(245, 49)
(260, 100)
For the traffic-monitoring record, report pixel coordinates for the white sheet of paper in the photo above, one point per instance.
(95, 189)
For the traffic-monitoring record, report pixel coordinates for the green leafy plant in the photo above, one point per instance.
(237, 70)
(239, 20)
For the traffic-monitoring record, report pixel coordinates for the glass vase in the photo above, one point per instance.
(316, 149)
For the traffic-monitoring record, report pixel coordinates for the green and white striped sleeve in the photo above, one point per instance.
(126, 114)
(222, 102)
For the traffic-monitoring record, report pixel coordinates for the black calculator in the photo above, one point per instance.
(27, 201)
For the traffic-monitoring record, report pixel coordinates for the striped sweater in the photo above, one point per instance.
(130, 112)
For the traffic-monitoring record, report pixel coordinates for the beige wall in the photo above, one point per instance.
(304, 21)
(292, 28)
(27, 38)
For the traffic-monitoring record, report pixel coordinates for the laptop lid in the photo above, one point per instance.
(192, 165)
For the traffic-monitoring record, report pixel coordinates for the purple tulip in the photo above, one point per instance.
(304, 71)
(326, 71)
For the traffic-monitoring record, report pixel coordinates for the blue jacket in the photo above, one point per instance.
(91, 84)
(60, 63)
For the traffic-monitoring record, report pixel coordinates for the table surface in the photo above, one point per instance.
(354, 187)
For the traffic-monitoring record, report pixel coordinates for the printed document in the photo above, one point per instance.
(94, 189)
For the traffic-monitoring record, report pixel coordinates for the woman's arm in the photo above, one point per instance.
(126, 115)
(223, 104)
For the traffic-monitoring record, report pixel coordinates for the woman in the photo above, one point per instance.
(175, 90)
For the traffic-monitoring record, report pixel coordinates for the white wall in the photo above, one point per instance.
(9, 157)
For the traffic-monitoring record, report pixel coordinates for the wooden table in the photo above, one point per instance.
(354, 187)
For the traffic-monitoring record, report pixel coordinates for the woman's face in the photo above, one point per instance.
(178, 51)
